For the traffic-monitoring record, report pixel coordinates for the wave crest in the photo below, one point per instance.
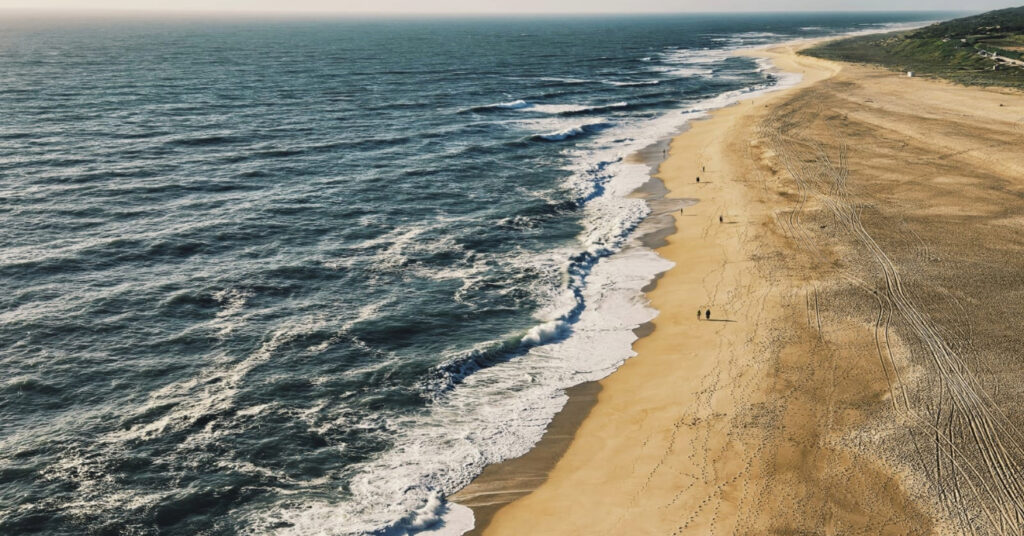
(572, 132)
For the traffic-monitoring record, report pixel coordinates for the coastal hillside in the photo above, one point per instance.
(985, 49)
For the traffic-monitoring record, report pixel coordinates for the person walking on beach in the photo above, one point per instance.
(719, 219)
(698, 315)
(698, 179)
(707, 314)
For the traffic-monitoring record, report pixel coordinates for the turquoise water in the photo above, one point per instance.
(309, 277)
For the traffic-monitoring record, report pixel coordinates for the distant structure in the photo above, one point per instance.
(910, 74)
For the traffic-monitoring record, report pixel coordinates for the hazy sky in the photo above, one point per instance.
(507, 6)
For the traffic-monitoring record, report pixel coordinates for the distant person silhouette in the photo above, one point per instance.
(698, 314)
(719, 219)
(698, 179)
(707, 314)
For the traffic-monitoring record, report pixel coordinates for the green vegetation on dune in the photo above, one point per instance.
(979, 50)
(1009, 20)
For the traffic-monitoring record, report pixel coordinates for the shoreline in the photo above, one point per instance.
(844, 289)
(693, 255)
(503, 483)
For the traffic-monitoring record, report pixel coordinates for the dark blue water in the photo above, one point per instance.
(309, 277)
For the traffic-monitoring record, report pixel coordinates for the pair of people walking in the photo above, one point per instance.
(707, 314)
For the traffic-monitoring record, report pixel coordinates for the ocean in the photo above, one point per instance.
(289, 276)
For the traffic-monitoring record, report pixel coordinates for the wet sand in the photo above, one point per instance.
(861, 369)
(502, 483)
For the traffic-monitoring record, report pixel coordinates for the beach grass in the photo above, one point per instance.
(981, 50)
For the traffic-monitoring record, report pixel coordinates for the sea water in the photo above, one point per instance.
(311, 276)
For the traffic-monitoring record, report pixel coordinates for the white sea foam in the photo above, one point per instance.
(565, 133)
(564, 80)
(688, 62)
(228, 318)
(637, 83)
(576, 108)
(545, 332)
(513, 105)
(758, 35)
(480, 423)
(184, 403)
(696, 56)
(555, 109)
(573, 131)
(499, 412)
(683, 72)
(394, 250)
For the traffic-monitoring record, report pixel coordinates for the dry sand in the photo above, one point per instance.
(862, 370)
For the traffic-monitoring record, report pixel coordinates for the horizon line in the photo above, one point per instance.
(315, 12)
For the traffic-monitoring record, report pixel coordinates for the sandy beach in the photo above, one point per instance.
(860, 369)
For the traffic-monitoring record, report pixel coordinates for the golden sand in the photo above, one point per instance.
(860, 372)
